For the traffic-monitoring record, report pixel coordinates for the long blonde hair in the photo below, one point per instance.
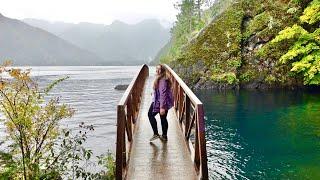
(163, 74)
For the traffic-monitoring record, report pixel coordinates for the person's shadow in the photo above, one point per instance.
(159, 155)
(155, 151)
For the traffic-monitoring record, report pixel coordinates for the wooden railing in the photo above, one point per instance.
(127, 112)
(190, 113)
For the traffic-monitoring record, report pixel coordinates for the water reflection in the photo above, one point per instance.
(259, 135)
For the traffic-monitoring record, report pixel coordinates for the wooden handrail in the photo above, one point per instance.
(127, 113)
(190, 113)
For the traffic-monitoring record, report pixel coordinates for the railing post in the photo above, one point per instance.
(190, 125)
(184, 98)
(202, 143)
(139, 92)
(196, 158)
(130, 100)
(180, 102)
(176, 95)
(120, 160)
(134, 104)
(129, 120)
(187, 124)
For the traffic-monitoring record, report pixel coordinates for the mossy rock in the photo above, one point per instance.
(235, 48)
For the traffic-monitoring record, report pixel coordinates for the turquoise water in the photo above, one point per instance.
(262, 135)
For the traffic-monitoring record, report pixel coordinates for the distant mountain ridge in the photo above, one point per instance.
(119, 42)
(28, 45)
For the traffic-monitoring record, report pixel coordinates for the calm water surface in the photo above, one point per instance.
(250, 134)
(90, 91)
(263, 135)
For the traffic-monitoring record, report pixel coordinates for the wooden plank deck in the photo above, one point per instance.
(158, 160)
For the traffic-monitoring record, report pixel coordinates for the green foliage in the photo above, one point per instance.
(189, 24)
(182, 30)
(220, 44)
(8, 168)
(39, 148)
(247, 76)
(236, 63)
(304, 54)
(108, 161)
(289, 33)
(311, 14)
(258, 23)
(53, 84)
(270, 78)
(229, 78)
(292, 10)
(232, 42)
(214, 10)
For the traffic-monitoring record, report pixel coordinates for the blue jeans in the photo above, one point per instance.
(153, 121)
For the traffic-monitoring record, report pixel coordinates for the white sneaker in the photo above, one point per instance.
(154, 137)
(164, 138)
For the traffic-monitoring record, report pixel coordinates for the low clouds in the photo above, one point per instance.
(94, 11)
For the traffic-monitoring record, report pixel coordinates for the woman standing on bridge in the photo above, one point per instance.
(161, 103)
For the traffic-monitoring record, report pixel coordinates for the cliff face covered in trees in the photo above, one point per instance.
(246, 43)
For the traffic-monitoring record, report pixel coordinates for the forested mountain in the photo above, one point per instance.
(246, 44)
(28, 45)
(118, 42)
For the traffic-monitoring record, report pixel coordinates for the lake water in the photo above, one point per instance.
(90, 91)
(250, 134)
(263, 135)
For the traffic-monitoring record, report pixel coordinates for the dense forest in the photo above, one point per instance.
(246, 43)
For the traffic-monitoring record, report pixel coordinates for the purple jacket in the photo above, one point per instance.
(162, 97)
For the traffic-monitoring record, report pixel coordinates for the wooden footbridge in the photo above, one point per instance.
(183, 156)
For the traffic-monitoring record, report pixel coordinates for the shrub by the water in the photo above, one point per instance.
(304, 54)
(39, 148)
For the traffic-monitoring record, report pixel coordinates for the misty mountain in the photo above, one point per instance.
(124, 43)
(28, 45)
(55, 28)
(78, 34)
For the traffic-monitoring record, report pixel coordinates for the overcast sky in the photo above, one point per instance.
(94, 11)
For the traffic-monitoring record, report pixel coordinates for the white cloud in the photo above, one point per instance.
(94, 11)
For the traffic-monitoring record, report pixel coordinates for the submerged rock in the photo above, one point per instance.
(121, 87)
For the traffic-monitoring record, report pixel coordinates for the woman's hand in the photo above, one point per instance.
(162, 111)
